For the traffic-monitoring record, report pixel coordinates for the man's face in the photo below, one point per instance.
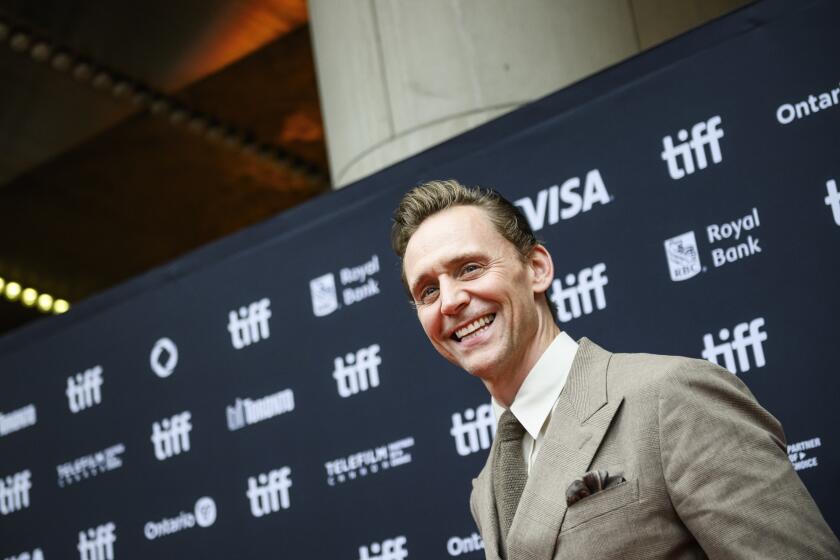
(475, 295)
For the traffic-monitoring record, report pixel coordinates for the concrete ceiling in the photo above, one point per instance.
(131, 133)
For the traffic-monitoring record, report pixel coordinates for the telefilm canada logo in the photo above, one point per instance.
(563, 202)
(743, 340)
(91, 465)
(203, 515)
(473, 430)
(14, 492)
(690, 155)
(389, 549)
(368, 462)
(802, 454)
(582, 294)
(727, 242)
(97, 543)
(18, 419)
(357, 283)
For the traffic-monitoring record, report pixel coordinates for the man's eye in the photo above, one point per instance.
(427, 294)
(469, 268)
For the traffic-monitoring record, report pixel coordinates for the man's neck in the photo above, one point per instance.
(505, 388)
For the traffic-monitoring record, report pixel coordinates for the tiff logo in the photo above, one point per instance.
(358, 371)
(250, 325)
(692, 153)
(36, 554)
(474, 430)
(272, 492)
(832, 200)
(171, 436)
(575, 299)
(84, 389)
(744, 336)
(389, 549)
(97, 543)
(14, 492)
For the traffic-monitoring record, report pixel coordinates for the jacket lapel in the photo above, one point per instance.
(485, 504)
(574, 433)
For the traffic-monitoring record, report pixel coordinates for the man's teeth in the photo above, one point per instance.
(475, 325)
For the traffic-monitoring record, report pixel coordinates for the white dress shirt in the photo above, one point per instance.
(538, 394)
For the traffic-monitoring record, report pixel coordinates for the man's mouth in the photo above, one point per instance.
(473, 328)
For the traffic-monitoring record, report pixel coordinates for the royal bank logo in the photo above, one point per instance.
(91, 465)
(203, 515)
(245, 412)
(744, 340)
(84, 390)
(14, 492)
(368, 462)
(802, 454)
(456, 546)
(683, 256)
(473, 430)
(171, 436)
(97, 543)
(36, 554)
(582, 294)
(17, 420)
(563, 202)
(163, 358)
(389, 549)
(358, 283)
(249, 324)
(357, 371)
(269, 492)
(832, 200)
(689, 156)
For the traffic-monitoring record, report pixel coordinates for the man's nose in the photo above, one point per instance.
(452, 297)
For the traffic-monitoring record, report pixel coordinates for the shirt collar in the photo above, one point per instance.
(543, 384)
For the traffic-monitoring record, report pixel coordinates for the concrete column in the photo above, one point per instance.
(399, 76)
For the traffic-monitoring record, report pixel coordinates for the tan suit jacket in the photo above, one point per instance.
(706, 469)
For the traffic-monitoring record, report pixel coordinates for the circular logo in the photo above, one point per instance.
(164, 357)
(205, 511)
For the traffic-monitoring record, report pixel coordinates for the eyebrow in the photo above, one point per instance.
(448, 265)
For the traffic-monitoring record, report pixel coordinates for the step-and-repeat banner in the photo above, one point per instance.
(273, 395)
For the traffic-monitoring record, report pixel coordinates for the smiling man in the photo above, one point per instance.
(597, 455)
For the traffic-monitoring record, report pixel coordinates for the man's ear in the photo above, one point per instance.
(542, 269)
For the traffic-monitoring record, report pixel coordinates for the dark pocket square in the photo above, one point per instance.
(590, 483)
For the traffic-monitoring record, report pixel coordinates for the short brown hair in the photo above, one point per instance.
(432, 197)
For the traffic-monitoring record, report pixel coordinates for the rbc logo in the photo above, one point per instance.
(474, 430)
(683, 256)
(704, 133)
(171, 436)
(739, 344)
(84, 390)
(324, 295)
(358, 371)
(578, 293)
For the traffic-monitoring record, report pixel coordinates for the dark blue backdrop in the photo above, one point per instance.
(304, 400)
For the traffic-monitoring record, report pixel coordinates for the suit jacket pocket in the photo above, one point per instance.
(600, 503)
